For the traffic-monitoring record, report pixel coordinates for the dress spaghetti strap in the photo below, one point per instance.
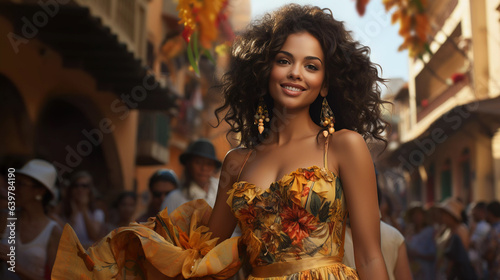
(243, 165)
(325, 156)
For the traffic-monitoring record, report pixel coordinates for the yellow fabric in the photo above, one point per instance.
(162, 248)
(286, 268)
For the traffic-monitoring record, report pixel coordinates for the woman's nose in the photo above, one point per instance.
(295, 73)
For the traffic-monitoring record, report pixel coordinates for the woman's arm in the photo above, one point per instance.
(402, 270)
(222, 221)
(358, 179)
(94, 223)
(52, 246)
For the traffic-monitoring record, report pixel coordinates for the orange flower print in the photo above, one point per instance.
(248, 215)
(297, 223)
(309, 175)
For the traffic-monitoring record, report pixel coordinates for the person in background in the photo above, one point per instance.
(452, 244)
(492, 252)
(387, 211)
(124, 208)
(161, 183)
(393, 248)
(79, 209)
(419, 235)
(200, 164)
(479, 232)
(36, 235)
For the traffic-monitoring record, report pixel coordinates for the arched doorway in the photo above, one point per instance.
(15, 125)
(66, 134)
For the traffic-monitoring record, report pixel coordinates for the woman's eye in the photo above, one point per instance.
(312, 67)
(282, 61)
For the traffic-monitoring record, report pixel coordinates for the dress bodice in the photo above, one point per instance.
(300, 216)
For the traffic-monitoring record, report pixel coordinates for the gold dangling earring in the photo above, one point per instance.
(261, 115)
(327, 118)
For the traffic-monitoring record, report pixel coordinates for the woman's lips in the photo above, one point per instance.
(292, 90)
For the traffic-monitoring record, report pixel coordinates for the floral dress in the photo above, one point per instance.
(292, 230)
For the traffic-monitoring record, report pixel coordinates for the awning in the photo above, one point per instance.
(484, 112)
(85, 43)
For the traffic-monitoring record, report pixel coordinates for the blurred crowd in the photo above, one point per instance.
(447, 240)
(451, 240)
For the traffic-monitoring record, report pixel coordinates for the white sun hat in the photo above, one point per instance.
(43, 172)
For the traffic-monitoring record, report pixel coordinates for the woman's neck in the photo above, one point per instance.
(32, 212)
(287, 126)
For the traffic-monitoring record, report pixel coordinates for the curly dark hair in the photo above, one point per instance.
(352, 79)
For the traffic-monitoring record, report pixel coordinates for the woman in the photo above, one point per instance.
(124, 206)
(161, 184)
(287, 71)
(421, 244)
(79, 209)
(453, 243)
(36, 236)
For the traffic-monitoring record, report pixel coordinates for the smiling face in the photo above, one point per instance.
(298, 72)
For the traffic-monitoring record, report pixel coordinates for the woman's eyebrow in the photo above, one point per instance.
(307, 57)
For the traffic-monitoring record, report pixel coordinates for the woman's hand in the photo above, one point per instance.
(82, 202)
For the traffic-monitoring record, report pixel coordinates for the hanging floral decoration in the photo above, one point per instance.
(201, 20)
(413, 20)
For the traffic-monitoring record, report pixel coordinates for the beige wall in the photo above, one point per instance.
(154, 27)
(479, 146)
(493, 39)
(483, 187)
(479, 52)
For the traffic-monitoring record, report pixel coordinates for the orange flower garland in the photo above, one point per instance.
(201, 19)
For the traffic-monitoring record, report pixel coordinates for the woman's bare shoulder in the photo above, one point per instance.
(346, 139)
(233, 163)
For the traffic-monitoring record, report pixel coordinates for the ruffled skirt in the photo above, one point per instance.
(173, 247)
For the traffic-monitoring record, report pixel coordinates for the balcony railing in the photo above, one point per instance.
(124, 17)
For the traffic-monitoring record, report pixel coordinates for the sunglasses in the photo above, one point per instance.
(160, 194)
